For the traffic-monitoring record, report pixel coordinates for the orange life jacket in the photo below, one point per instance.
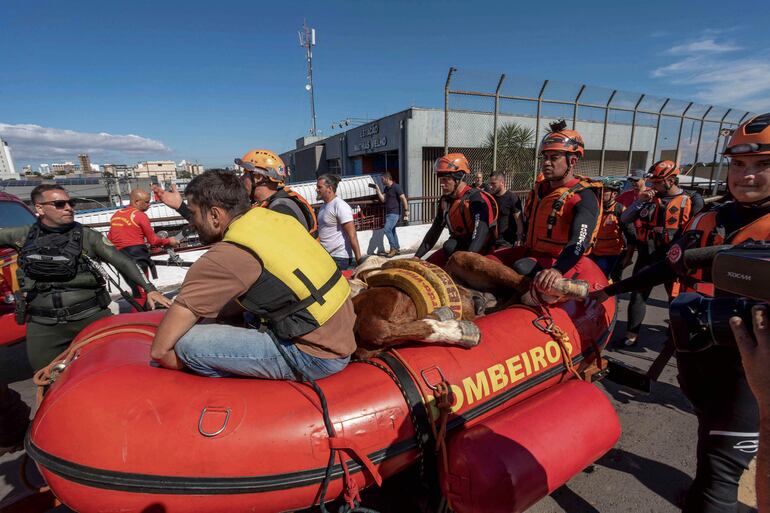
(711, 233)
(662, 225)
(549, 218)
(458, 215)
(610, 240)
(305, 207)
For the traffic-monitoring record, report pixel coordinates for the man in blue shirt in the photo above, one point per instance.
(394, 198)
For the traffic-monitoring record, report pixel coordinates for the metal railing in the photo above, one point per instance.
(623, 130)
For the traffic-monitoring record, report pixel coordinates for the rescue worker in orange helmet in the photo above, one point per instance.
(612, 236)
(562, 211)
(713, 379)
(264, 177)
(660, 214)
(470, 214)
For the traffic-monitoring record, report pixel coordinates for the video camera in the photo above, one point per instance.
(743, 271)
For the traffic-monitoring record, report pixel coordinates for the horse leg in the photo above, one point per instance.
(382, 334)
(481, 273)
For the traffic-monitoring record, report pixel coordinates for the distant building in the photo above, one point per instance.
(7, 169)
(45, 169)
(118, 170)
(193, 169)
(64, 168)
(85, 163)
(160, 169)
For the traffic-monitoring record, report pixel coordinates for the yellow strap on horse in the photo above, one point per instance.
(447, 289)
(425, 297)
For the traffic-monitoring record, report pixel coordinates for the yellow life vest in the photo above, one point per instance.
(300, 287)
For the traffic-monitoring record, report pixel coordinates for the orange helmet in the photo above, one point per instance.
(454, 165)
(265, 163)
(662, 170)
(561, 139)
(751, 138)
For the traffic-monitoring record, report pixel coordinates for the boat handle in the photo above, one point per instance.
(218, 431)
(425, 378)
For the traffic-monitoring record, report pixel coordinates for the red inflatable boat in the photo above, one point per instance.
(116, 433)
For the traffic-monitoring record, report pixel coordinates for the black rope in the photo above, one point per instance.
(301, 376)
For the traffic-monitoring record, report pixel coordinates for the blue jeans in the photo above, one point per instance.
(219, 350)
(344, 263)
(391, 221)
(606, 263)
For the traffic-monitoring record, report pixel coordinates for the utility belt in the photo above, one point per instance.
(99, 301)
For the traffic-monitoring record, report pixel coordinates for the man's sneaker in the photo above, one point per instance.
(392, 253)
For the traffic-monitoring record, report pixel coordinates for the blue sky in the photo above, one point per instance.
(206, 81)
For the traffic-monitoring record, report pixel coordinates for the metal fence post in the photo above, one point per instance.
(446, 109)
(604, 131)
(537, 127)
(657, 128)
(716, 145)
(679, 137)
(497, 111)
(697, 145)
(633, 130)
(574, 110)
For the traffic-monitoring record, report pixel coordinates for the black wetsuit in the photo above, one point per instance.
(714, 382)
(478, 239)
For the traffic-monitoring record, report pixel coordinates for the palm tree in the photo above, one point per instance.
(514, 152)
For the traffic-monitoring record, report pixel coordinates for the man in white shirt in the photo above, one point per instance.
(336, 230)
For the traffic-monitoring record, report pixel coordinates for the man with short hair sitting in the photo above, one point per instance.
(269, 265)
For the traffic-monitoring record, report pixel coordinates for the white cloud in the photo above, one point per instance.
(720, 73)
(702, 46)
(34, 142)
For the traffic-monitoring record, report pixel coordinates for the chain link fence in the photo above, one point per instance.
(497, 121)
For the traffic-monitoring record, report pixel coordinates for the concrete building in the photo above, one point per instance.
(118, 170)
(408, 142)
(163, 170)
(64, 169)
(44, 169)
(193, 169)
(85, 163)
(7, 169)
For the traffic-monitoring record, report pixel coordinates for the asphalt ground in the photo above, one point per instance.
(649, 469)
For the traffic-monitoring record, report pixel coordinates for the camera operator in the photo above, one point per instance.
(713, 379)
(755, 353)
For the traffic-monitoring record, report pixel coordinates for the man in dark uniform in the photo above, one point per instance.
(510, 227)
(61, 291)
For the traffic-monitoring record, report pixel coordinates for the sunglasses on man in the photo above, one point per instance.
(60, 204)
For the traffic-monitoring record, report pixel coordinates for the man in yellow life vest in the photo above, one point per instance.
(562, 212)
(268, 265)
(713, 378)
(660, 214)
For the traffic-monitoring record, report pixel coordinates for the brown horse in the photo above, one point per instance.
(386, 316)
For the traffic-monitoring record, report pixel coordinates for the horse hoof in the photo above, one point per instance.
(471, 335)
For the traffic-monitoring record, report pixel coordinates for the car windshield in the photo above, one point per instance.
(14, 214)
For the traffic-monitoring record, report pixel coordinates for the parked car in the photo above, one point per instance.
(13, 212)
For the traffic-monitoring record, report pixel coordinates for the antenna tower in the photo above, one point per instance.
(307, 41)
